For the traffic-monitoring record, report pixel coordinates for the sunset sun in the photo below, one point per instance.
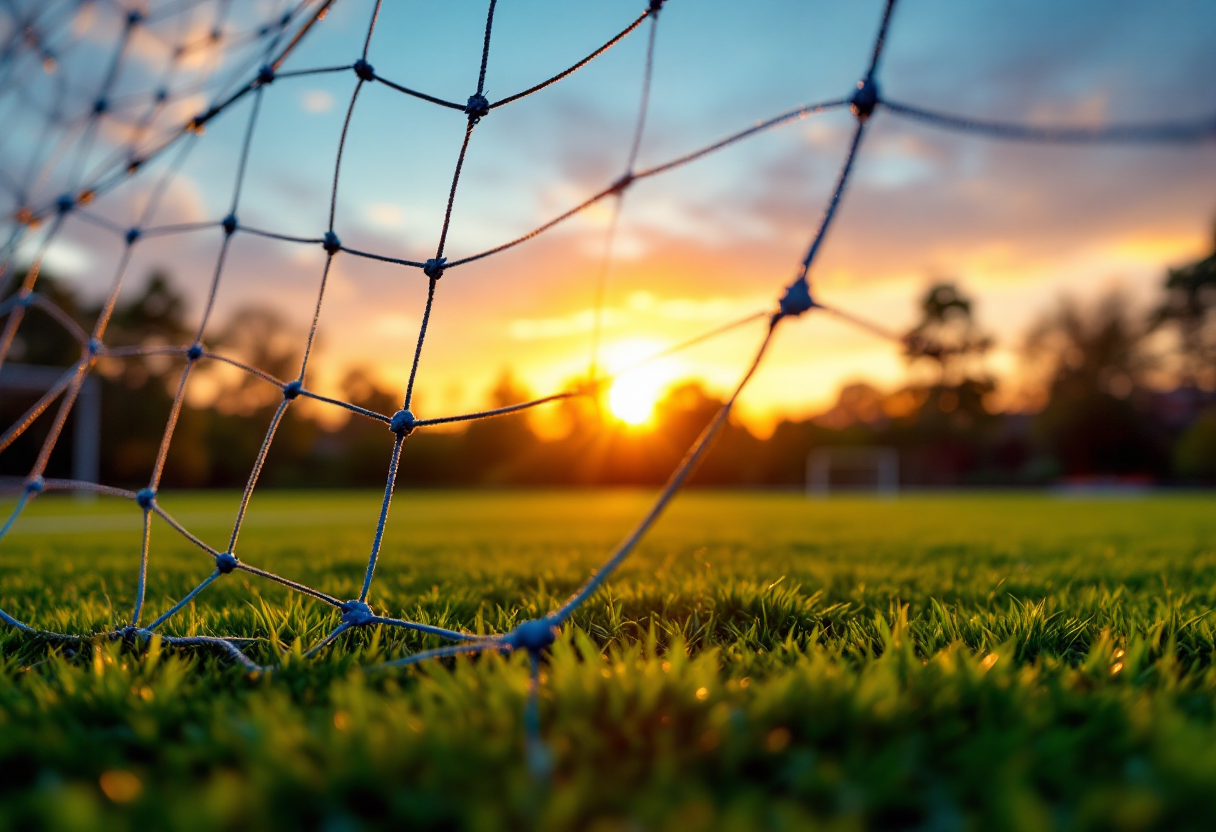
(633, 396)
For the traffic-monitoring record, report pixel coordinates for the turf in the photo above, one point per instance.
(938, 662)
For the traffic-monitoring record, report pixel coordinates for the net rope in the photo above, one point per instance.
(256, 55)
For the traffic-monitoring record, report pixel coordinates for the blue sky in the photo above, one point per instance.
(1017, 225)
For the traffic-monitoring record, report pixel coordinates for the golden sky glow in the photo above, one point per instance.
(635, 392)
(1016, 225)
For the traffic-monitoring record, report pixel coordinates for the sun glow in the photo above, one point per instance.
(633, 396)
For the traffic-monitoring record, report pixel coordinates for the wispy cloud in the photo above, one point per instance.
(316, 101)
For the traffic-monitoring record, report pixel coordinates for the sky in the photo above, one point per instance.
(1017, 225)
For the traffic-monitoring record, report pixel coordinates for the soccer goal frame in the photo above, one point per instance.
(86, 432)
(821, 462)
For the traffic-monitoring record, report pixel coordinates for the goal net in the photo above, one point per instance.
(103, 103)
(852, 469)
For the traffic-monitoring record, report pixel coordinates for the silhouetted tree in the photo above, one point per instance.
(137, 392)
(157, 315)
(1189, 307)
(260, 337)
(41, 340)
(856, 403)
(948, 336)
(358, 452)
(1092, 364)
(496, 445)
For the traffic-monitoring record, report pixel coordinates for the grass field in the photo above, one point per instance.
(936, 663)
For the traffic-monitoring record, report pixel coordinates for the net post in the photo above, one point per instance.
(86, 433)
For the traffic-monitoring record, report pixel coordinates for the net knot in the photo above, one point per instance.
(134, 165)
(265, 75)
(796, 300)
(132, 235)
(134, 17)
(65, 203)
(195, 125)
(434, 267)
(228, 223)
(145, 497)
(618, 187)
(654, 6)
(533, 635)
(195, 352)
(225, 562)
(292, 390)
(160, 95)
(477, 107)
(364, 70)
(356, 613)
(93, 347)
(402, 423)
(331, 243)
(100, 106)
(34, 485)
(865, 98)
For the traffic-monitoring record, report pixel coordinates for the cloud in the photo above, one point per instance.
(711, 309)
(639, 309)
(577, 323)
(63, 257)
(384, 215)
(316, 101)
(396, 327)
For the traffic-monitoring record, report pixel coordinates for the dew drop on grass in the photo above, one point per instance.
(120, 786)
(777, 740)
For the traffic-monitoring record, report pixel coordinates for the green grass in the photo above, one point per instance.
(944, 663)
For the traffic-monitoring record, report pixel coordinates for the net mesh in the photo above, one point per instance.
(96, 135)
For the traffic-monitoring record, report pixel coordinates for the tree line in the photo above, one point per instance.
(1109, 393)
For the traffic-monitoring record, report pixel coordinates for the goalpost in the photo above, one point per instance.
(86, 433)
(854, 469)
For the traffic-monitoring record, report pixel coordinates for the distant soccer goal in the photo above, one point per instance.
(852, 469)
(46, 383)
